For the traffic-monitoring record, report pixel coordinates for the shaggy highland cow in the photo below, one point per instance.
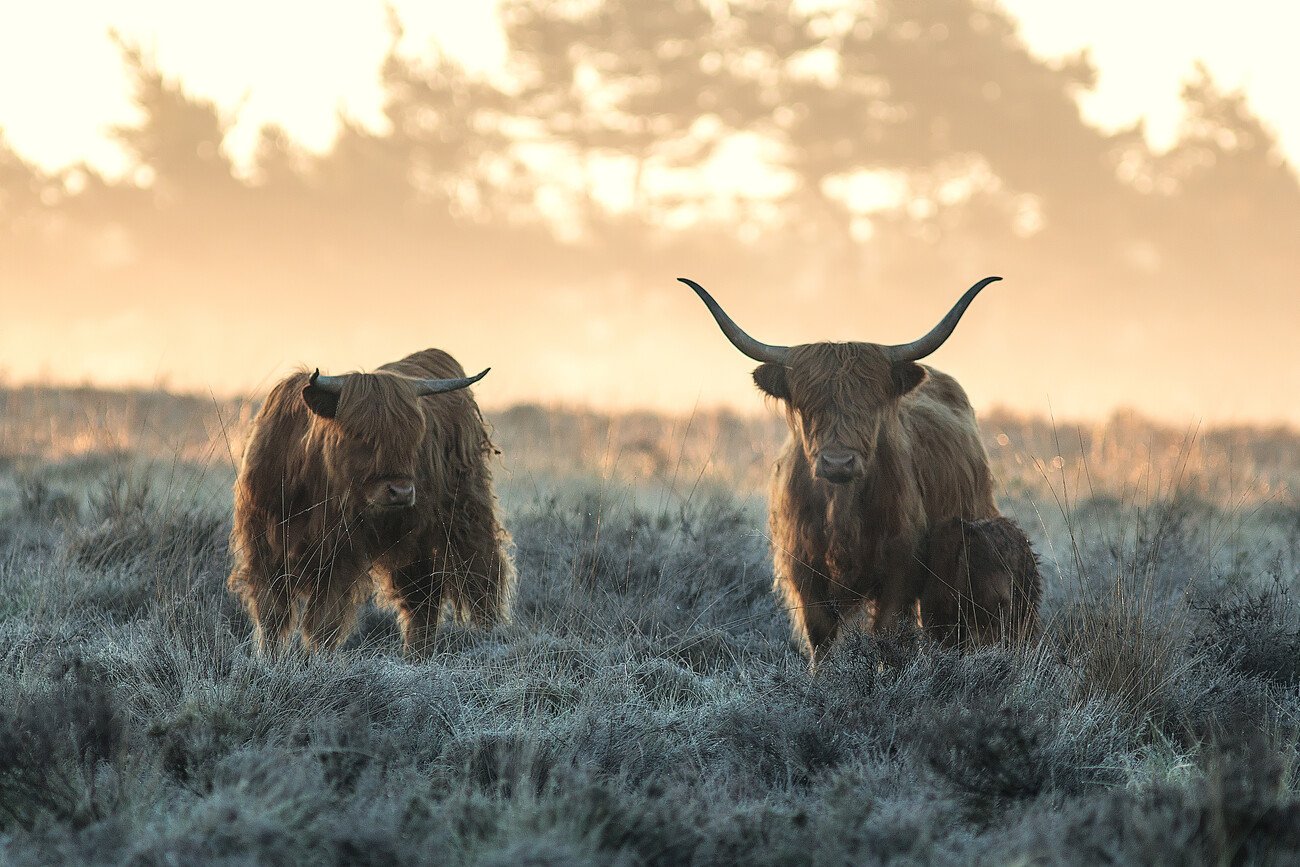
(881, 449)
(982, 584)
(369, 481)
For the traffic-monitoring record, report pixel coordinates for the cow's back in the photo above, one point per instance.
(276, 465)
(427, 364)
(951, 463)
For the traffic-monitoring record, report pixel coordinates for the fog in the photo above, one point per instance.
(828, 174)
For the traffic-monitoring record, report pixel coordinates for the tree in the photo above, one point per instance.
(638, 91)
(179, 137)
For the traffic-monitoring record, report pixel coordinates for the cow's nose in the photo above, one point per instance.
(400, 493)
(835, 466)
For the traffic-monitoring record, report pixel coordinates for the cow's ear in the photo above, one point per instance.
(324, 403)
(770, 377)
(907, 376)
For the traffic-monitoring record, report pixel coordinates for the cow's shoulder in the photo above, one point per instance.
(273, 456)
(942, 389)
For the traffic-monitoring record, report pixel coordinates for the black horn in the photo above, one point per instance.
(329, 384)
(918, 349)
(755, 349)
(439, 386)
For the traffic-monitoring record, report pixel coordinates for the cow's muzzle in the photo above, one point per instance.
(838, 466)
(392, 494)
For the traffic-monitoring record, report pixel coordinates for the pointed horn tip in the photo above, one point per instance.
(976, 288)
(480, 375)
(699, 290)
(314, 376)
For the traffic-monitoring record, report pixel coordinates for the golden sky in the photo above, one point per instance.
(290, 63)
(234, 52)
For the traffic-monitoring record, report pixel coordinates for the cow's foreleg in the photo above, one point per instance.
(328, 618)
(415, 591)
(902, 579)
(822, 625)
(270, 607)
(272, 615)
(814, 614)
(480, 584)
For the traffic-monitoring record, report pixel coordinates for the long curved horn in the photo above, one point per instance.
(329, 384)
(425, 387)
(918, 349)
(742, 341)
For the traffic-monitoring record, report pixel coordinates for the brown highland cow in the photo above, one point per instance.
(881, 449)
(369, 481)
(982, 584)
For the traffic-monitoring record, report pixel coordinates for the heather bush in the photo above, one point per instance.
(646, 704)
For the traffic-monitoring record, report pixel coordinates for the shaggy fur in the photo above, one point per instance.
(850, 549)
(309, 549)
(982, 584)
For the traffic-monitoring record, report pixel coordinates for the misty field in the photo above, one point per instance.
(647, 704)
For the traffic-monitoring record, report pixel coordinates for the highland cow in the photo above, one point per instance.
(982, 584)
(369, 482)
(881, 448)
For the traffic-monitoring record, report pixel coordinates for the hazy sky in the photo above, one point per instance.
(284, 61)
(288, 62)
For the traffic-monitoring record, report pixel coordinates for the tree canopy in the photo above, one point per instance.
(804, 150)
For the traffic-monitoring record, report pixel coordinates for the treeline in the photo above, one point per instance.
(846, 157)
